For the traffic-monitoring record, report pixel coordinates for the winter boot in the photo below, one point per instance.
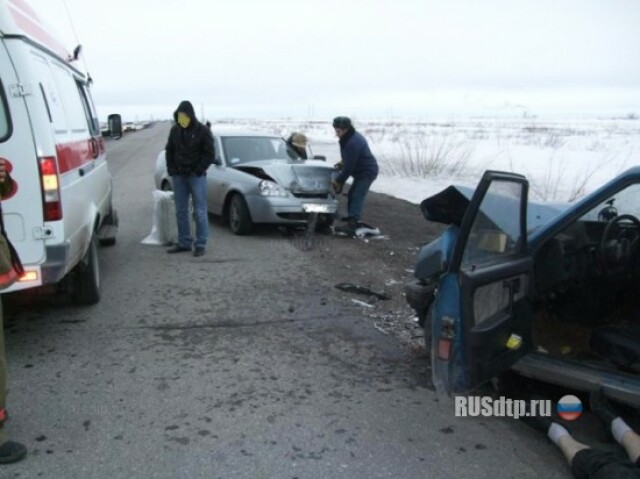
(12, 451)
(352, 226)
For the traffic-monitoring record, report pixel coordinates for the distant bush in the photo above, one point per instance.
(424, 155)
(556, 183)
(546, 137)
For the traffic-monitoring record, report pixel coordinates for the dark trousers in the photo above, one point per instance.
(597, 464)
(185, 186)
(356, 196)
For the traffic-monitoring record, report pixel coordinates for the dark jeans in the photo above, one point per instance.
(356, 196)
(185, 186)
(597, 464)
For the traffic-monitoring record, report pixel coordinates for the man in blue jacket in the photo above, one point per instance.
(357, 162)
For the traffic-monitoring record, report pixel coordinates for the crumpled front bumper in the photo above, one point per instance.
(265, 209)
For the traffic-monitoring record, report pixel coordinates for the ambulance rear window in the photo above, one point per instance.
(5, 119)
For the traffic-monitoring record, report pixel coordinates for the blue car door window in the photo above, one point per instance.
(495, 232)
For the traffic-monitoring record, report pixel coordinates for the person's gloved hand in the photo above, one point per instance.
(337, 186)
(338, 166)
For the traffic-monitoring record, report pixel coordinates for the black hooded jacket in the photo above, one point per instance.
(190, 150)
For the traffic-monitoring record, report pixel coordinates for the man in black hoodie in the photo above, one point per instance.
(189, 152)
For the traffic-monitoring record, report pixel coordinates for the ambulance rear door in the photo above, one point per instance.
(23, 215)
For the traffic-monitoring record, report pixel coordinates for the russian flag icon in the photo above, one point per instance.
(569, 408)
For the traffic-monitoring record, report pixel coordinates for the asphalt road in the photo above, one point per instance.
(245, 363)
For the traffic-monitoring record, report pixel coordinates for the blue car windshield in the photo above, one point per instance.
(624, 202)
(245, 149)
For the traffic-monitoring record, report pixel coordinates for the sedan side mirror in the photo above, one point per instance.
(320, 157)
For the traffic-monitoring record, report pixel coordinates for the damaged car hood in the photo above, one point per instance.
(449, 206)
(310, 176)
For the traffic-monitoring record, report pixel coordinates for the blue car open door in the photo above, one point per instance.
(482, 315)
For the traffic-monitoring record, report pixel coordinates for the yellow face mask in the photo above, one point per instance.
(183, 120)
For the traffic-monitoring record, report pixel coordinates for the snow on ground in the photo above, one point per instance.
(563, 159)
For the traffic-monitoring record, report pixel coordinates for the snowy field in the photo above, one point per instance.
(563, 159)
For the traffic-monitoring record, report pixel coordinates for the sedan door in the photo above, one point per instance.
(482, 315)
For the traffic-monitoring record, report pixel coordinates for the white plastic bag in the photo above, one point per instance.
(164, 230)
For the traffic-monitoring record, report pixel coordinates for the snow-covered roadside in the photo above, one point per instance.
(563, 159)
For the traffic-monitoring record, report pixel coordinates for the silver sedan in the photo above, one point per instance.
(257, 179)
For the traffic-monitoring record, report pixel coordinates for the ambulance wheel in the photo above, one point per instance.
(88, 276)
(110, 224)
(108, 241)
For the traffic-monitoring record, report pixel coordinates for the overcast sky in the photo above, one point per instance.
(364, 58)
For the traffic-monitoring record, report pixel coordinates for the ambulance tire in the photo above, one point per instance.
(88, 276)
(108, 241)
(111, 219)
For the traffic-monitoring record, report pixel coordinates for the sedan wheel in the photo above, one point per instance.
(239, 218)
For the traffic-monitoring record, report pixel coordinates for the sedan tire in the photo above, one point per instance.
(239, 217)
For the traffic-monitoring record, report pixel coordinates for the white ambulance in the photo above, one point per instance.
(50, 136)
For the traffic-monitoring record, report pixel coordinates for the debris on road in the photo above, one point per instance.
(352, 288)
(362, 303)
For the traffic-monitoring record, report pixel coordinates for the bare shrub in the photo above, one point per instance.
(553, 140)
(376, 134)
(423, 156)
(556, 184)
(546, 137)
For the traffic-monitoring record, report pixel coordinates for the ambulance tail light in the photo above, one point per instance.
(29, 276)
(50, 189)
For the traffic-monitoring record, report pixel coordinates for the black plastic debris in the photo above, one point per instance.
(352, 288)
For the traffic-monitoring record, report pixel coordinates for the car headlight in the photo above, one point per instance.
(269, 188)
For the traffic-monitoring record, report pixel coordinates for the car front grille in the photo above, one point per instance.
(322, 196)
(294, 216)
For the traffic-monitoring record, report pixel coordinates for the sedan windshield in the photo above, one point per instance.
(244, 149)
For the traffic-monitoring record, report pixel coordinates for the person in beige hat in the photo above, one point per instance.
(297, 146)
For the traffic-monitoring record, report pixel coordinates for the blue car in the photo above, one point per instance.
(550, 291)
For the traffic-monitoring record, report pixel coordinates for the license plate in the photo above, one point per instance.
(315, 208)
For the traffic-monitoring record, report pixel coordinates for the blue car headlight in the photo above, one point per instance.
(269, 188)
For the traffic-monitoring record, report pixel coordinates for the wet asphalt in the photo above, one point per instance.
(244, 363)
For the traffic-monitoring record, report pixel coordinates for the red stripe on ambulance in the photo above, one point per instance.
(73, 155)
